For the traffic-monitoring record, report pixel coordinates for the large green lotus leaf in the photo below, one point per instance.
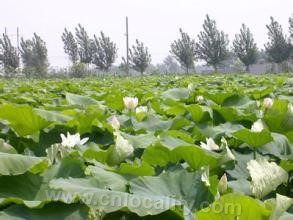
(22, 119)
(114, 100)
(53, 116)
(141, 140)
(279, 118)
(32, 190)
(103, 199)
(170, 215)
(56, 211)
(171, 141)
(180, 122)
(234, 206)
(233, 114)
(238, 100)
(87, 118)
(105, 178)
(199, 113)
(225, 129)
(287, 164)
(137, 168)
(218, 98)
(83, 101)
(279, 147)
(254, 139)
(15, 164)
(240, 170)
(179, 135)
(152, 123)
(241, 186)
(93, 152)
(195, 156)
(261, 92)
(176, 94)
(179, 185)
(175, 110)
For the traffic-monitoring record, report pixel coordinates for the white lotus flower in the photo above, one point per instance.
(200, 98)
(210, 145)
(223, 184)
(130, 102)
(122, 149)
(141, 109)
(191, 86)
(268, 102)
(115, 123)
(265, 176)
(229, 155)
(72, 140)
(257, 126)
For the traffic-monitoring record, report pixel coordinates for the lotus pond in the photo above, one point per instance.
(157, 147)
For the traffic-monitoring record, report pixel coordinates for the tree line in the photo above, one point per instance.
(211, 46)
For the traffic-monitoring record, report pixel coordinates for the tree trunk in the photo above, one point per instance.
(215, 68)
(247, 69)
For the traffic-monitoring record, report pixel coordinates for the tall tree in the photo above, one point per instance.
(85, 45)
(8, 55)
(34, 55)
(212, 46)
(139, 57)
(291, 27)
(244, 47)
(104, 52)
(70, 45)
(184, 50)
(278, 48)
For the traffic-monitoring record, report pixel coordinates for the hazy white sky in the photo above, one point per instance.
(155, 22)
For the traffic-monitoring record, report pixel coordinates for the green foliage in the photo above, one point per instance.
(278, 48)
(78, 70)
(84, 45)
(169, 168)
(212, 46)
(34, 56)
(8, 55)
(139, 57)
(184, 50)
(104, 52)
(244, 47)
(70, 46)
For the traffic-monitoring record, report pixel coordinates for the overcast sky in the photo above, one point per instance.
(155, 22)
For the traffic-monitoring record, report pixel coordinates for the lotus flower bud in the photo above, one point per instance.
(200, 98)
(268, 102)
(115, 123)
(223, 184)
(122, 149)
(130, 102)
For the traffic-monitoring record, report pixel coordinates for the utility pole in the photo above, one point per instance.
(5, 30)
(127, 48)
(17, 38)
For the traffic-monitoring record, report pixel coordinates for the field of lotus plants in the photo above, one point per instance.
(216, 147)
